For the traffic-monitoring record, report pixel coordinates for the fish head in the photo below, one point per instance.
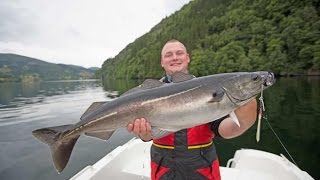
(246, 85)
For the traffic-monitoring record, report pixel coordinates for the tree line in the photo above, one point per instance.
(229, 36)
(17, 68)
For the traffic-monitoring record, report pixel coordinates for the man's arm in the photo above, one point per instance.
(141, 128)
(246, 115)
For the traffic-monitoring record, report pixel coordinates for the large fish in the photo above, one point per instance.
(185, 103)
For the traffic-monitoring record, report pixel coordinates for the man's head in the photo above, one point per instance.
(174, 57)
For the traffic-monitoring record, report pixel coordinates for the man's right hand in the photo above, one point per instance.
(142, 128)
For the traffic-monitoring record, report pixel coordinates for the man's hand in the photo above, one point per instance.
(141, 128)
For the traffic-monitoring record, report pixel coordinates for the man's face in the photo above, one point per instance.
(174, 58)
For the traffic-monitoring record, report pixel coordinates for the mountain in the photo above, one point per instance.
(230, 35)
(15, 67)
(93, 69)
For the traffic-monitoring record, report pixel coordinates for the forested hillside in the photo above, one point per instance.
(282, 36)
(20, 68)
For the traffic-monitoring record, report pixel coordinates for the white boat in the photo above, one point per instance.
(132, 161)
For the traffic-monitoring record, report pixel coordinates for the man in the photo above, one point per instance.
(189, 153)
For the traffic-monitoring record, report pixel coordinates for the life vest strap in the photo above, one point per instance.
(189, 147)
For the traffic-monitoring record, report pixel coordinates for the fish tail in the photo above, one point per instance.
(60, 147)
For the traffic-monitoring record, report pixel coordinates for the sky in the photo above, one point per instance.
(78, 32)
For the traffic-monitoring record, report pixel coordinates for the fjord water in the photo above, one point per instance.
(292, 108)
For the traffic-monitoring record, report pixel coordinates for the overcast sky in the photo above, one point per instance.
(79, 32)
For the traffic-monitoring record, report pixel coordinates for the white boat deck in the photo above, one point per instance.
(132, 161)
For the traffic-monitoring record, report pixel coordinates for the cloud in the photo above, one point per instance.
(77, 32)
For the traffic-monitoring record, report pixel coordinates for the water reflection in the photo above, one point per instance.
(25, 102)
(17, 92)
(119, 86)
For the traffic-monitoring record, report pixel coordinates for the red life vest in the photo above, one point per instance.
(184, 154)
(197, 135)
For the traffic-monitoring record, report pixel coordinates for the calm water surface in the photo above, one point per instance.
(293, 109)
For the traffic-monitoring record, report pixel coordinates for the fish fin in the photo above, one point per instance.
(104, 135)
(157, 133)
(60, 149)
(151, 83)
(147, 84)
(93, 107)
(180, 77)
(234, 118)
(216, 96)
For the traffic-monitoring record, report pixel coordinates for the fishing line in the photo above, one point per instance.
(280, 141)
(264, 116)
